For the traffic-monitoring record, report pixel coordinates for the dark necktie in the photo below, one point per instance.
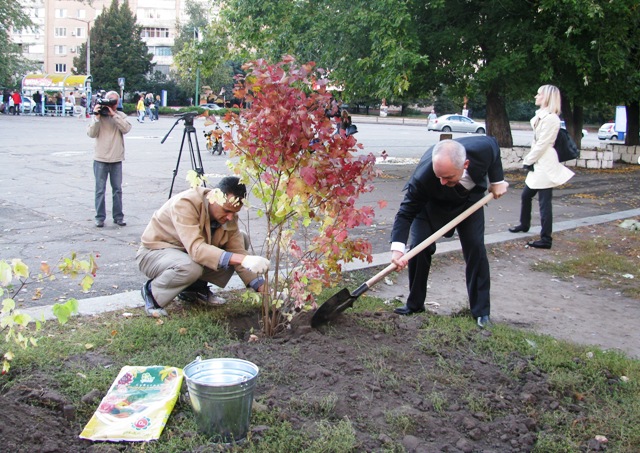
(461, 190)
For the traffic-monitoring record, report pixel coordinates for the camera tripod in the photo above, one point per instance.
(194, 153)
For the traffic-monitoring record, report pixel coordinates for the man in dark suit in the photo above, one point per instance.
(450, 177)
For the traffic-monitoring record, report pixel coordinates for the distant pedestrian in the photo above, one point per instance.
(148, 106)
(141, 109)
(6, 96)
(384, 109)
(83, 107)
(17, 102)
(71, 100)
(345, 121)
(37, 98)
(60, 104)
(156, 107)
(431, 118)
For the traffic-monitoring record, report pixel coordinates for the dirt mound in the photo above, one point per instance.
(372, 370)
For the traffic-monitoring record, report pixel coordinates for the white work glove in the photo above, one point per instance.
(256, 264)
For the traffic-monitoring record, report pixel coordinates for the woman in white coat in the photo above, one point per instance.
(545, 171)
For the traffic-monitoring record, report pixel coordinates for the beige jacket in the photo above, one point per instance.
(109, 134)
(547, 171)
(184, 223)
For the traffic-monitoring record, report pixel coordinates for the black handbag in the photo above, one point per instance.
(565, 146)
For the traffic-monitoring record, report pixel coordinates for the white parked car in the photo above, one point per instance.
(26, 106)
(456, 123)
(607, 132)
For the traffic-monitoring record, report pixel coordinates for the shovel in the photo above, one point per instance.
(342, 300)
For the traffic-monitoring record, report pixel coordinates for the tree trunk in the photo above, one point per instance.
(633, 124)
(573, 119)
(497, 120)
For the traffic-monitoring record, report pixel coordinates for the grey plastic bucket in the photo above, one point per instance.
(221, 394)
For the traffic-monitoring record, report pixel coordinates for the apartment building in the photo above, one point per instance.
(62, 26)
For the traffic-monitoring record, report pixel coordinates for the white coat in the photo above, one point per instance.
(547, 171)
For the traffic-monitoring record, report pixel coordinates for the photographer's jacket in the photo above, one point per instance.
(109, 134)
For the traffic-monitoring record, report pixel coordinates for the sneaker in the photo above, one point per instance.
(199, 292)
(151, 307)
(100, 223)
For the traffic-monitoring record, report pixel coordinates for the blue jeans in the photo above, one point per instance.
(113, 171)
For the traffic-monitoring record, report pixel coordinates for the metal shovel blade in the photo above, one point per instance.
(332, 307)
(338, 303)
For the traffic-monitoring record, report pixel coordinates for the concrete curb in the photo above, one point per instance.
(133, 299)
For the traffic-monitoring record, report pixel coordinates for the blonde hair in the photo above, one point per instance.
(551, 98)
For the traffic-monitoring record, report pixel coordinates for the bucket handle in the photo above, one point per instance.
(197, 360)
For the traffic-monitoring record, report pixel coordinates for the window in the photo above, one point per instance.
(60, 50)
(81, 14)
(79, 31)
(60, 31)
(151, 32)
(161, 51)
(61, 68)
(60, 13)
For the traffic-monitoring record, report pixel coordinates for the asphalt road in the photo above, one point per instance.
(47, 187)
(412, 138)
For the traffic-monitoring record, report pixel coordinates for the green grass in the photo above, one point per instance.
(598, 259)
(87, 353)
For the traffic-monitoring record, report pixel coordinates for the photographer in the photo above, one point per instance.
(108, 127)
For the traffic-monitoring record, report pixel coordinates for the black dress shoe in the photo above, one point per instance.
(518, 229)
(120, 222)
(406, 311)
(484, 321)
(100, 223)
(539, 244)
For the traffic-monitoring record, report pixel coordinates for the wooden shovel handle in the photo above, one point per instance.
(431, 239)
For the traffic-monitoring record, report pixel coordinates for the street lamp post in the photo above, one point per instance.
(198, 39)
(88, 49)
(88, 61)
(197, 103)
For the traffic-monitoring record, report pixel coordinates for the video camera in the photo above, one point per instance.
(104, 106)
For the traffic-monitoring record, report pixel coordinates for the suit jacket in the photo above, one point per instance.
(427, 198)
